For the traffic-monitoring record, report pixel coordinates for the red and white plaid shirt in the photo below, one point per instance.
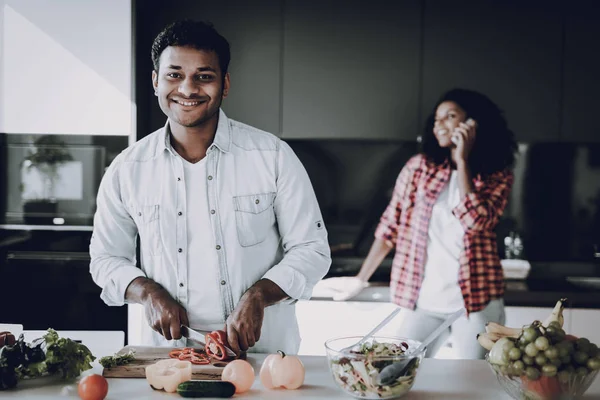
(405, 226)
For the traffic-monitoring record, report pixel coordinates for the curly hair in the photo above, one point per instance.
(196, 34)
(494, 148)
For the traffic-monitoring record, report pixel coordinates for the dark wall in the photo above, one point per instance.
(343, 80)
(348, 70)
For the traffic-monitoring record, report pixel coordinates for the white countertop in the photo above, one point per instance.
(437, 379)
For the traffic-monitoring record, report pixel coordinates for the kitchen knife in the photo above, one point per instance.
(200, 337)
(193, 335)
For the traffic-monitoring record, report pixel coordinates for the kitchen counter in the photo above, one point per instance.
(547, 282)
(437, 379)
(519, 293)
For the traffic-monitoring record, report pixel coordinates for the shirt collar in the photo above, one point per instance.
(222, 137)
(223, 134)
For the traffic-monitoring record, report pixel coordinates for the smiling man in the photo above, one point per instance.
(230, 230)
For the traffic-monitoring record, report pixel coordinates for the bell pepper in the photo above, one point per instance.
(215, 345)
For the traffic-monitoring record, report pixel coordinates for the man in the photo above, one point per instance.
(230, 229)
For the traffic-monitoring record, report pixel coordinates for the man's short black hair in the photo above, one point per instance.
(196, 34)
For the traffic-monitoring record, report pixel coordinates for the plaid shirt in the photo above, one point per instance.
(405, 226)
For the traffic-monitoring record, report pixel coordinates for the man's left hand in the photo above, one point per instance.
(244, 324)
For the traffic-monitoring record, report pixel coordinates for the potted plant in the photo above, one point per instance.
(49, 153)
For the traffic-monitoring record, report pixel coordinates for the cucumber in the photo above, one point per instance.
(202, 388)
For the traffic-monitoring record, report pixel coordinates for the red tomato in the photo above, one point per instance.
(93, 387)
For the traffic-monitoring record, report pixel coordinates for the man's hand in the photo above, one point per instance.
(245, 323)
(163, 313)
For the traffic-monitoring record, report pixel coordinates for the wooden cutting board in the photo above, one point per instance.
(146, 355)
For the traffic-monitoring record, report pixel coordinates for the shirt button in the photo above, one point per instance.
(181, 284)
(140, 214)
(180, 249)
(223, 282)
(178, 178)
(210, 177)
(218, 247)
(212, 211)
(180, 213)
(257, 201)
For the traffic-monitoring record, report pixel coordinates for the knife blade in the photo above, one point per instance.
(200, 337)
(193, 335)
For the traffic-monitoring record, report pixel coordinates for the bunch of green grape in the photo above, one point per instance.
(543, 351)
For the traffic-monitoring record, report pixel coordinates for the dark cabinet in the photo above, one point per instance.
(253, 30)
(582, 63)
(46, 283)
(351, 69)
(508, 50)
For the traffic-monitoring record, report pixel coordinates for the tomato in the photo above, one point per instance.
(93, 387)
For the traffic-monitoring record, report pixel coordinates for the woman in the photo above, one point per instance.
(446, 203)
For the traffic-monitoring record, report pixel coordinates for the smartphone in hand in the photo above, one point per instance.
(471, 122)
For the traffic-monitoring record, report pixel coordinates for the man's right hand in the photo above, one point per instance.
(163, 313)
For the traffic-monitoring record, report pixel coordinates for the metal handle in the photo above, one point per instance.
(47, 256)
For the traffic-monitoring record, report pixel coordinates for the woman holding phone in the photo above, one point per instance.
(440, 221)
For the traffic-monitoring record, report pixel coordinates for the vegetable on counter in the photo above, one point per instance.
(168, 374)
(215, 345)
(7, 338)
(359, 371)
(240, 373)
(93, 387)
(282, 371)
(117, 359)
(49, 355)
(196, 357)
(200, 388)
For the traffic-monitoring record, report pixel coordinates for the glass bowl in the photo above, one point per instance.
(565, 385)
(359, 374)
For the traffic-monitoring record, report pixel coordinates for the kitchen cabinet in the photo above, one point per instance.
(46, 283)
(581, 66)
(351, 69)
(508, 50)
(323, 320)
(253, 30)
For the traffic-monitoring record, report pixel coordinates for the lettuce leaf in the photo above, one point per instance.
(65, 356)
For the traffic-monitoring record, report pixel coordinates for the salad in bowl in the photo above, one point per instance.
(380, 368)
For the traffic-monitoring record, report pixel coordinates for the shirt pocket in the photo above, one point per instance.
(254, 216)
(147, 219)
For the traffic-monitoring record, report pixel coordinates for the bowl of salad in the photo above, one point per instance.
(380, 368)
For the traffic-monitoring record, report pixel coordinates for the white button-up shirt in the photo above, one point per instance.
(265, 220)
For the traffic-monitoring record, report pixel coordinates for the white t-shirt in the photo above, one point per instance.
(440, 291)
(204, 310)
